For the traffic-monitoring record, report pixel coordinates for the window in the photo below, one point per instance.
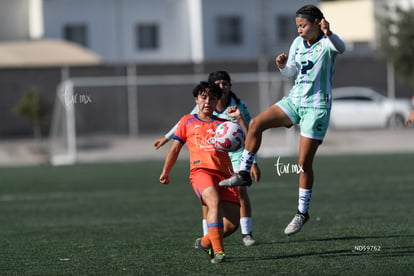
(77, 33)
(229, 30)
(286, 27)
(147, 36)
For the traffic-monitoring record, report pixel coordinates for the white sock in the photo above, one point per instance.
(304, 200)
(205, 228)
(246, 225)
(246, 161)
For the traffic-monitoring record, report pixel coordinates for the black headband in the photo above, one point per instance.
(306, 16)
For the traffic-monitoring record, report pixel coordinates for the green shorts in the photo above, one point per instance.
(313, 121)
(235, 158)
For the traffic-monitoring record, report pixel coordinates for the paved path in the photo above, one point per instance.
(275, 143)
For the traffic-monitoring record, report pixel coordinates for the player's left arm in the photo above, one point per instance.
(336, 42)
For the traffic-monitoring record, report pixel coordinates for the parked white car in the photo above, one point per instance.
(363, 107)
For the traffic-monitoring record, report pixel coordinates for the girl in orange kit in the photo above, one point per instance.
(208, 166)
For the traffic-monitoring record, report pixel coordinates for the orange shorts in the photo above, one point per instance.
(201, 179)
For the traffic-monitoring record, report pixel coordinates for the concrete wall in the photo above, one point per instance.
(158, 106)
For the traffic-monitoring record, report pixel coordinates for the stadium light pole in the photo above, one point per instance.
(262, 68)
(132, 99)
(195, 14)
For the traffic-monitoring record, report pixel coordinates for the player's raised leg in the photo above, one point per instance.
(272, 117)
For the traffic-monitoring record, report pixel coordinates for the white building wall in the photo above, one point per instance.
(247, 10)
(188, 28)
(275, 9)
(97, 15)
(14, 20)
(112, 26)
(172, 16)
(112, 35)
(260, 35)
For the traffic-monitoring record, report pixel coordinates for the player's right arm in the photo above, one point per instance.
(170, 160)
(286, 63)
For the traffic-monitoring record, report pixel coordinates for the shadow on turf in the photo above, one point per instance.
(359, 238)
(389, 252)
(347, 238)
(288, 256)
(395, 251)
(337, 239)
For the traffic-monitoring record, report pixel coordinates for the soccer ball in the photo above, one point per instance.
(229, 137)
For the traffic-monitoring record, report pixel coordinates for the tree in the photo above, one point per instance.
(397, 40)
(32, 107)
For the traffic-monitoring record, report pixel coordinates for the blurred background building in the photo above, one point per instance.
(162, 31)
(44, 42)
(173, 30)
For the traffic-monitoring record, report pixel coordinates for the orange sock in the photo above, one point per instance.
(215, 232)
(205, 241)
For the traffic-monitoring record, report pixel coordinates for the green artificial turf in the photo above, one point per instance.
(117, 219)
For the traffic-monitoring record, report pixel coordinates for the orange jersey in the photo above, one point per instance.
(199, 137)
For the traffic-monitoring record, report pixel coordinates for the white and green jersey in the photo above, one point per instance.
(314, 68)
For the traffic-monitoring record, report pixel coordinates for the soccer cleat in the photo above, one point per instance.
(296, 224)
(208, 251)
(242, 178)
(248, 240)
(218, 258)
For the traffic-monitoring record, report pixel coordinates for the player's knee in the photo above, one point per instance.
(255, 126)
(243, 193)
(303, 166)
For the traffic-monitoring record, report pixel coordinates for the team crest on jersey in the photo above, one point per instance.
(318, 47)
(207, 141)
